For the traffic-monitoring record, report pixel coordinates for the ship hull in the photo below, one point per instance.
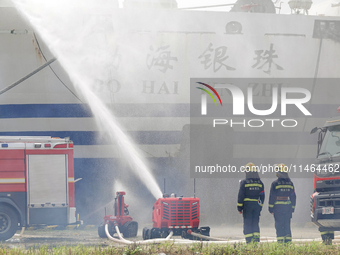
(146, 86)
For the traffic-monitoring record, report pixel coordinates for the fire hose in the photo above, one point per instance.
(205, 237)
(122, 240)
(21, 232)
(213, 240)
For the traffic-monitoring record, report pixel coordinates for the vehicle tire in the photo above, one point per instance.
(130, 229)
(164, 233)
(204, 231)
(145, 230)
(101, 231)
(8, 222)
(184, 234)
(156, 233)
(148, 234)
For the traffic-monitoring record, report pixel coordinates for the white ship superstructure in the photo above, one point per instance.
(146, 82)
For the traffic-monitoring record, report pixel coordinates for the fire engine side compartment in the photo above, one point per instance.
(47, 188)
(50, 216)
(12, 180)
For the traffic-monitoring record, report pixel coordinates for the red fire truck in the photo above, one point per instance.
(325, 202)
(36, 183)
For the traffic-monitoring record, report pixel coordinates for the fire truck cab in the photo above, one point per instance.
(325, 202)
(36, 183)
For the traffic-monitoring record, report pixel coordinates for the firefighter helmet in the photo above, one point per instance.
(250, 167)
(281, 170)
(251, 170)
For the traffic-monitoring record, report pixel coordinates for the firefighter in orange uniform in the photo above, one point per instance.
(282, 201)
(250, 201)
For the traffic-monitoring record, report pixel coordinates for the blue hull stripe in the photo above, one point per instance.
(174, 137)
(81, 111)
(96, 138)
(44, 111)
(139, 110)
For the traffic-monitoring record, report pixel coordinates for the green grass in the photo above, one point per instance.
(168, 248)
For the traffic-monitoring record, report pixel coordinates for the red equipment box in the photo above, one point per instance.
(176, 212)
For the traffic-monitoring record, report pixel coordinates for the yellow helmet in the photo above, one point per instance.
(282, 168)
(250, 167)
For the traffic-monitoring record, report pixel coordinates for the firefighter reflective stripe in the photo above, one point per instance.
(250, 199)
(284, 187)
(12, 180)
(239, 204)
(271, 206)
(282, 202)
(326, 232)
(261, 204)
(293, 206)
(256, 234)
(248, 235)
(280, 238)
(253, 185)
(288, 238)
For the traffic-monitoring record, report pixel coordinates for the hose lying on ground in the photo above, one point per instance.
(122, 240)
(184, 241)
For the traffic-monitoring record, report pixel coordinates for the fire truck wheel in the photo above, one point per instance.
(130, 229)
(184, 234)
(149, 234)
(101, 231)
(8, 222)
(156, 233)
(145, 231)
